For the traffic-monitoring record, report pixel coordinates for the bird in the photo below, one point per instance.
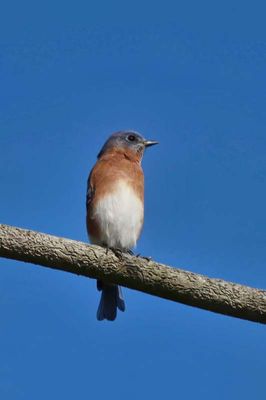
(115, 206)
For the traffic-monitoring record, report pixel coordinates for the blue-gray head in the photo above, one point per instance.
(130, 140)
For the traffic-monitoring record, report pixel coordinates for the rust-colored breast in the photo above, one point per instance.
(114, 165)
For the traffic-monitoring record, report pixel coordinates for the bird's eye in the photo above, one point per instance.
(131, 138)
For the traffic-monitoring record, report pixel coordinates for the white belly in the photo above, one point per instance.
(120, 217)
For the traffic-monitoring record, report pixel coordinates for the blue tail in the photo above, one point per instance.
(111, 299)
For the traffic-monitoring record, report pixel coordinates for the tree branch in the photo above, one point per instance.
(133, 272)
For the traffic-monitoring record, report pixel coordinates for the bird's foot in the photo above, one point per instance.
(144, 258)
(130, 252)
(117, 252)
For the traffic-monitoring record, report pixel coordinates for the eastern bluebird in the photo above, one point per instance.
(115, 205)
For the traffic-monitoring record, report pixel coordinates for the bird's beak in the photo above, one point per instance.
(148, 143)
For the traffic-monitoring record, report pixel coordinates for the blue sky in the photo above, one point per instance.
(192, 76)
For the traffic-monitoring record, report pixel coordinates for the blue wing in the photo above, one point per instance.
(89, 193)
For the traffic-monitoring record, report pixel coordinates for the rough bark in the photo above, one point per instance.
(134, 272)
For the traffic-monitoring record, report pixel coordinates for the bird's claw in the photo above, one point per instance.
(144, 258)
(117, 252)
(120, 253)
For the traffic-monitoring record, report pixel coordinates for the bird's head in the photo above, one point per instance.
(127, 140)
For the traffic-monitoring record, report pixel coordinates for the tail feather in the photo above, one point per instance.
(120, 301)
(111, 299)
